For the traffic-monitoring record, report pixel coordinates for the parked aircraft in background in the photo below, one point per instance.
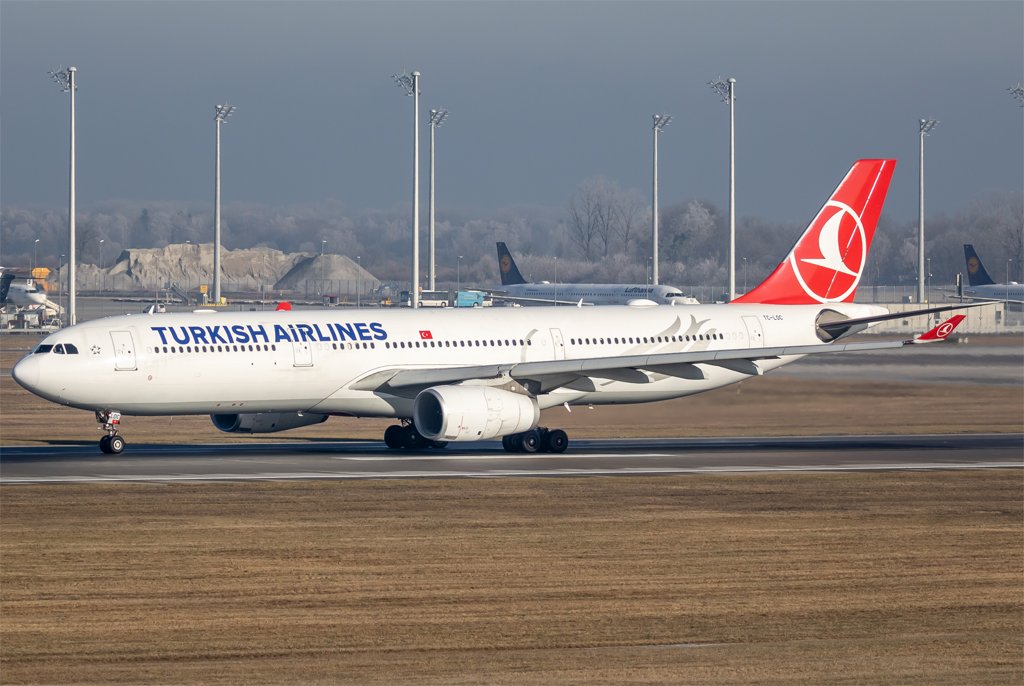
(516, 289)
(460, 375)
(24, 293)
(981, 286)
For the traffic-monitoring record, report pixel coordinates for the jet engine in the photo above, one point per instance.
(264, 422)
(472, 413)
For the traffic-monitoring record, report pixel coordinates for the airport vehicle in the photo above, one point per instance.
(459, 375)
(981, 286)
(473, 299)
(516, 289)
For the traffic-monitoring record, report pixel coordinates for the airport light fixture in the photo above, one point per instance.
(437, 118)
(102, 275)
(410, 83)
(359, 282)
(924, 128)
(727, 91)
(660, 122)
(65, 78)
(35, 258)
(323, 248)
(220, 116)
(1017, 92)
(458, 276)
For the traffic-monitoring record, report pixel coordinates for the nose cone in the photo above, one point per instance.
(26, 373)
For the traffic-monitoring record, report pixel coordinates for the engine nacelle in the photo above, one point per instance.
(472, 413)
(264, 422)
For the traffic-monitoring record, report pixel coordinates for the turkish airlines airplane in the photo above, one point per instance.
(476, 374)
(516, 289)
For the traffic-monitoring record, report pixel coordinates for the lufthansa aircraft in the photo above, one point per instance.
(518, 290)
(470, 375)
(981, 286)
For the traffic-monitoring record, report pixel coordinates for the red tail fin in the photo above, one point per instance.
(827, 262)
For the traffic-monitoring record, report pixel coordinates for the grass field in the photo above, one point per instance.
(902, 578)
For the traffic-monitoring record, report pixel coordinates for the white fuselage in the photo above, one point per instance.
(996, 291)
(598, 293)
(325, 361)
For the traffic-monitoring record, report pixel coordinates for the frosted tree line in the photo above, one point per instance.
(602, 234)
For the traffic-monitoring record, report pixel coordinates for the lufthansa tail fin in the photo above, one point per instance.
(827, 263)
(976, 273)
(507, 266)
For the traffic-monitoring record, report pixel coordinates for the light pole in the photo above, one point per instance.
(437, 118)
(323, 247)
(60, 288)
(35, 258)
(1008, 261)
(458, 277)
(220, 116)
(928, 276)
(660, 122)
(744, 274)
(65, 78)
(727, 91)
(102, 240)
(411, 84)
(924, 126)
(359, 282)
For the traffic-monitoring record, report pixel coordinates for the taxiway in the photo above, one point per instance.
(370, 460)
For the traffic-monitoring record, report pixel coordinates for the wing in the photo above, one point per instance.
(546, 376)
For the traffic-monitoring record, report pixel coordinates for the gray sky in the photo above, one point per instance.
(541, 95)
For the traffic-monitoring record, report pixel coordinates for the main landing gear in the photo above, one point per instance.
(111, 444)
(405, 436)
(537, 440)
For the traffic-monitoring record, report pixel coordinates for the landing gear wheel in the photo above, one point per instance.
(393, 437)
(506, 443)
(116, 444)
(529, 442)
(439, 445)
(556, 441)
(412, 439)
(105, 445)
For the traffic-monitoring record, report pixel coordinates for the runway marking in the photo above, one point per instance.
(507, 473)
(497, 456)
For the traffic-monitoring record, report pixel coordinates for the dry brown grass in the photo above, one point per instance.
(909, 578)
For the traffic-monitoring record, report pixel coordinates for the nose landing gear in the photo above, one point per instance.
(111, 444)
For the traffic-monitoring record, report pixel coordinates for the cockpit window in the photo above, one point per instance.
(43, 349)
(674, 294)
(59, 349)
(70, 349)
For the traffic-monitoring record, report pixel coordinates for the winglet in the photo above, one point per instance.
(942, 331)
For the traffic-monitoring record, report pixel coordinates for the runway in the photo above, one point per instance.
(308, 460)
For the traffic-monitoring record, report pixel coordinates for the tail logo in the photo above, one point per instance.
(972, 265)
(506, 264)
(829, 268)
(945, 329)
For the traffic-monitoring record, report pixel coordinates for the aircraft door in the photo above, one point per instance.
(755, 334)
(124, 351)
(303, 354)
(558, 344)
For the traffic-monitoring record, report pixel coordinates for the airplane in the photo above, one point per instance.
(981, 286)
(459, 375)
(23, 292)
(517, 290)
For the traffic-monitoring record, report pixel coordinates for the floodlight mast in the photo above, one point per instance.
(660, 122)
(437, 118)
(411, 84)
(65, 78)
(220, 116)
(727, 91)
(924, 127)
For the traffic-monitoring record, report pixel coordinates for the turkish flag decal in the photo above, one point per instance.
(426, 335)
